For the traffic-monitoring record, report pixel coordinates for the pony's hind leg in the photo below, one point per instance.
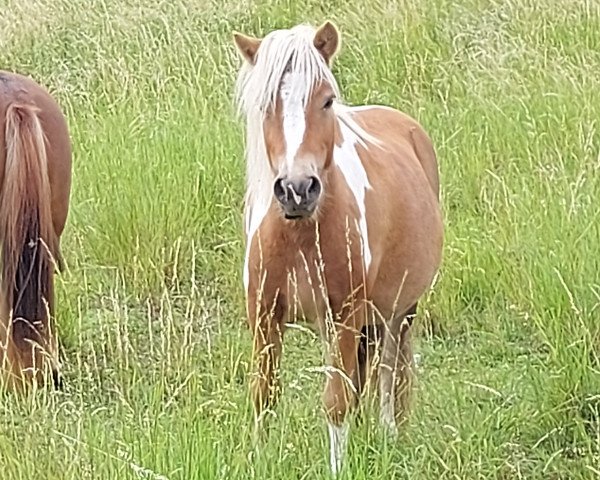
(396, 372)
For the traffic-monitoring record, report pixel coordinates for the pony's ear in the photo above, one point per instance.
(247, 46)
(327, 40)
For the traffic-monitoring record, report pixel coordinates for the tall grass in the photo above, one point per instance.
(151, 311)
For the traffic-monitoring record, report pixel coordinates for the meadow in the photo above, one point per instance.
(151, 315)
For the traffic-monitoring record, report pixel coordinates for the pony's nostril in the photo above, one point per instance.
(314, 187)
(309, 184)
(279, 190)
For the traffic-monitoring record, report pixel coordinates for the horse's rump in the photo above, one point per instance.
(28, 243)
(35, 184)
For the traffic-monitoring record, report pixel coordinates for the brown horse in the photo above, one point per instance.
(343, 224)
(35, 183)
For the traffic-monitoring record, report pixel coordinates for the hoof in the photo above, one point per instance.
(57, 380)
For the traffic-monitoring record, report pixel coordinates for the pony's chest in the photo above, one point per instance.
(307, 298)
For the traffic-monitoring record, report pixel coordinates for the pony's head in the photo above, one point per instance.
(287, 92)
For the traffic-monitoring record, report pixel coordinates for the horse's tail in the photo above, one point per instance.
(28, 241)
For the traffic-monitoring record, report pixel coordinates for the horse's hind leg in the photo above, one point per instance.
(396, 371)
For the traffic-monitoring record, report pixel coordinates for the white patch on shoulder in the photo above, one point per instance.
(347, 159)
(294, 121)
(338, 442)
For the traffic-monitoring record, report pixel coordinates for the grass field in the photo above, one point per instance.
(151, 309)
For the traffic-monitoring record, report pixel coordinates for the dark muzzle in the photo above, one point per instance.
(297, 197)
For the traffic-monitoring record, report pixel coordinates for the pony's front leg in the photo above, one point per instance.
(341, 393)
(265, 316)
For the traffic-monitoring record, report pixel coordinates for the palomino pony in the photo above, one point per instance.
(342, 220)
(35, 182)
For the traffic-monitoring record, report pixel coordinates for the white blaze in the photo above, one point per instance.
(294, 121)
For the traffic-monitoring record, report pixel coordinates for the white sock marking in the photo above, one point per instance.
(338, 443)
(387, 419)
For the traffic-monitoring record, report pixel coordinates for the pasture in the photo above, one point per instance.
(150, 309)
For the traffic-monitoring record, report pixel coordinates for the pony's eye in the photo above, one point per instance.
(328, 103)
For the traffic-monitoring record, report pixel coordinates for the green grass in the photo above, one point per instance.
(151, 309)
